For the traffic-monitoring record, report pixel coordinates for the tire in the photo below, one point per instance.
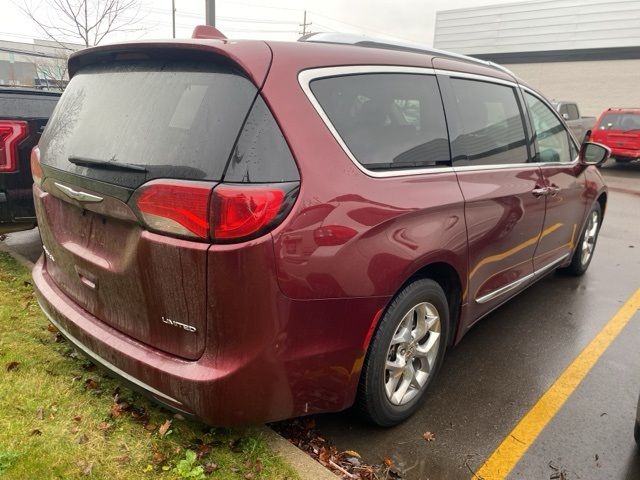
(421, 300)
(580, 261)
(636, 432)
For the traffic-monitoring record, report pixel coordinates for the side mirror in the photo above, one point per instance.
(565, 116)
(594, 154)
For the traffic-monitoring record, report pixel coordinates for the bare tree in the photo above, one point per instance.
(52, 70)
(87, 22)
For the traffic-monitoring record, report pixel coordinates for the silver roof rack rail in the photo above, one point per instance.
(365, 41)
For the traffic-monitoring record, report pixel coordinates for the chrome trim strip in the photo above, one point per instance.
(305, 78)
(106, 364)
(78, 195)
(507, 288)
(549, 266)
(475, 76)
(502, 290)
(474, 168)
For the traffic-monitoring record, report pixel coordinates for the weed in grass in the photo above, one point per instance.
(188, 468)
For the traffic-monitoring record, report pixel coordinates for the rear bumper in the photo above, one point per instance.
(308, 362)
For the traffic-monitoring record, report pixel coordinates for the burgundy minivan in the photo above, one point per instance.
(248, 231)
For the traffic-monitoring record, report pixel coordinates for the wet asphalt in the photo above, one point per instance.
(509, 359)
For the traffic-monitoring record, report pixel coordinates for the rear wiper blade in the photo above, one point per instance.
(107, 164)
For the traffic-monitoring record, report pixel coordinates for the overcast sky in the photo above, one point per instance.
(408, 20)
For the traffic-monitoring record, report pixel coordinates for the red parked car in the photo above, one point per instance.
(619, 129)
(248, 231)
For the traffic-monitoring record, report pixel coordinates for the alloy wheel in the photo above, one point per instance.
(590, 235)
(412, 353)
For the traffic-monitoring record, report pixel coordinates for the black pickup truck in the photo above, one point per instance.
(23, 115)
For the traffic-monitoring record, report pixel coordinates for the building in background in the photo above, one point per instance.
(41, 64)
(582, 50)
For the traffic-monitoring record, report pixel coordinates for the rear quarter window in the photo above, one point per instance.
(387, 120)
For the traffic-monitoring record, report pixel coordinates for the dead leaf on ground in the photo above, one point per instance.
(428, 436)
(158, 458)
(164, 428)
(12, 365)
(388, 462)
(123, 459)
(82, 439)
(52, 328)
(77, 418)
(203, 450)
(40, 413)
(210, 467)
(104, 426)
(117, 409)
(74, 430)
(86, 471)
(91, 384)
(139, 414)
(35, 432)
(150, 427)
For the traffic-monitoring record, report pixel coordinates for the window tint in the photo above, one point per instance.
(175, 119)
(550, 135)
(387, 120)
(491, 131)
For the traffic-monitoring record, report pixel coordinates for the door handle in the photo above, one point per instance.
(540, 191)
(553, 189)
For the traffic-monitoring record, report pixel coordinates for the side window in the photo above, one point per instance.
(573, 111)
(564, 110)
(387, 120)
(491, 130)
(550, 135)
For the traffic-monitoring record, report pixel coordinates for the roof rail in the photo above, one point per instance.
(364, 41)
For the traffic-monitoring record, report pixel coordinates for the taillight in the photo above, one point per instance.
(36, 168)
(174, 207)
(224, 213)
(245, 210)
(11, 134)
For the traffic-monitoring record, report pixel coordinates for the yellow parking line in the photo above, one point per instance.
(513, 447)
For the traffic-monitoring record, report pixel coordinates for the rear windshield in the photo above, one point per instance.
(620, 121)
(177, 120)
